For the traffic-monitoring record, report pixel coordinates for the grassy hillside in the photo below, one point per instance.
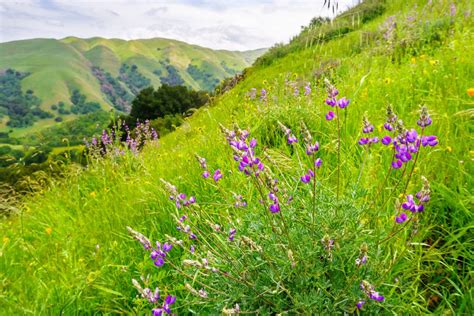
(67, 249)
(57, 67)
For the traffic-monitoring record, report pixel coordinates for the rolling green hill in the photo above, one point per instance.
(55, 68)
(66, 250)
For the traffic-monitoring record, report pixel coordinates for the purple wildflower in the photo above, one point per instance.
(401, 218)
(452, 9)
(306, 178)
(141, 238)
(217, 175)
(397, 164)
(363, 141)
(290, 137)
(232, 234)
(158, 254)
(343, 102)
(330, 116)
(307, 89)
(274, 208)
(312, 148)
(318, 162)
(168, 302)
(244, 154)
(147, 293)
(425, 119)
(263, 95)
(239, 201)
(332, 100)
(386, 140)
(205, 174)
(369, 290)
(360, 304)
(429, 141)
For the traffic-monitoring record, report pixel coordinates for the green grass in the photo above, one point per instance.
(64, 271)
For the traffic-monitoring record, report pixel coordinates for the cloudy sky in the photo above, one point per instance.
(220, 24)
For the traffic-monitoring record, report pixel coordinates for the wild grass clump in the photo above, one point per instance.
(283, 241)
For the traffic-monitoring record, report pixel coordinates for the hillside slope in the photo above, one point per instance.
(105, 70)
(68, 251)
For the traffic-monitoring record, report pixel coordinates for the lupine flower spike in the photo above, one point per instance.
(368, 128)
(415, 204)
(369, 290)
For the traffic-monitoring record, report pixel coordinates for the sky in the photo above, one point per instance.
(218, 24)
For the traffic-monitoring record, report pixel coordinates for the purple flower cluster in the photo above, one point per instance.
(166, 307)
(390, 25)
(239, 201)
(185, 228)
(306, 178)
(362, 255)
(311, 149)
(291, 139)
(415, 206)
(110, 141)
(368, 128)
(360, 304)
(389, 125)
(333, 101)
(147, 293)
(206, 174)
(263, 95)
(274, 203)
(425, 119)
(141, 238)
(232, 233)
(153, 297)
(179, 198)
(307, 89)
(369, 290)
(252, 94)
(328, 244)
(158, 254)
(244, 151)
(407, 142)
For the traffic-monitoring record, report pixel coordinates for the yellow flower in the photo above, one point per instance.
(449, 149)
(387, 80)
(48, 230)
(5, 239)
(93, 194)
(434, 62)
(413, 60)
(470, 92)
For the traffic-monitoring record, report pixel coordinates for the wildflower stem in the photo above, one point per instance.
(414, 164)
(379, 190)
(338, 153)
(391, 235)
(361, 169)
(290, 243)
(184, 274)
(314, 195)
(257, 184)
(250, 286)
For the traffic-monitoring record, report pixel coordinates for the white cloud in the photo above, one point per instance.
(236, 25)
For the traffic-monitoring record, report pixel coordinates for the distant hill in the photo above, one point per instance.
(46, 73)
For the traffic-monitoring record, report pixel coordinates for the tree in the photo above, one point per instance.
(166, 100)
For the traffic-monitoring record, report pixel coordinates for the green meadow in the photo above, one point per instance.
(66, 249)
